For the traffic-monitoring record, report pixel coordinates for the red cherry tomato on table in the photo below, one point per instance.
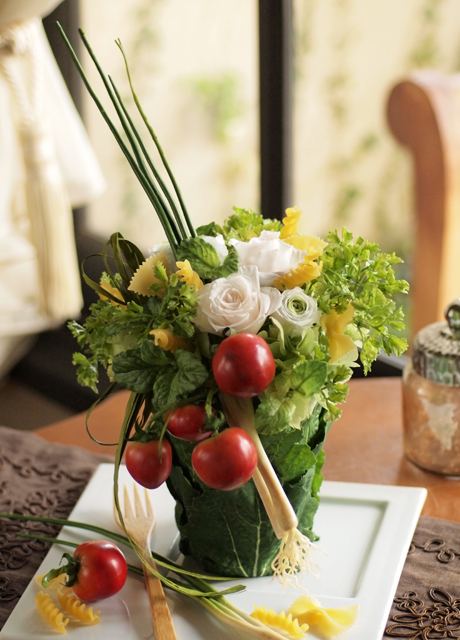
(144, 464)
(187, 423)
(101, 570)
(225, 461)
(243, 365)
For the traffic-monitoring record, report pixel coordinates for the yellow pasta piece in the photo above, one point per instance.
(324, 623)
(105, 284)
(70, 603)
(334, 325)
(280, 620)
(50, 613)
(144, 276)
(290, 222)
(304, 272)
(167, 341)
(186, 274)
(311, 244)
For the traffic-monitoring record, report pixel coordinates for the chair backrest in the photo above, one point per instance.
(423, 112)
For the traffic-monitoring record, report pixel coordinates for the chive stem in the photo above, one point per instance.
(157, 143)
(150, 163)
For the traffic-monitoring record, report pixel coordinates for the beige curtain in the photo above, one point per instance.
(46, 167)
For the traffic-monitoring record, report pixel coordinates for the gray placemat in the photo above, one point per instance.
(36, 478)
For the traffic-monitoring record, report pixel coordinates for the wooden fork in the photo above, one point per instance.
(140, 525)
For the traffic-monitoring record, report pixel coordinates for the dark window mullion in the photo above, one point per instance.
(275, 95)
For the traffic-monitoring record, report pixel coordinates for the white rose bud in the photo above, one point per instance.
(236, 302)
(297, 311)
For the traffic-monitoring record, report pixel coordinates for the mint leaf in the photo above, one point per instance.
(161, 389)
(212, 229)
(201, 255)
(190, 375)
(155, 356)
(131, 371)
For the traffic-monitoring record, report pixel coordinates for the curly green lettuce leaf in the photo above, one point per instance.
(245, 224)
(290, 398)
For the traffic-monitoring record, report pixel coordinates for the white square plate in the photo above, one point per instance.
(365, 532)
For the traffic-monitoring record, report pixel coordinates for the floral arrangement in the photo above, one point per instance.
(237, 343)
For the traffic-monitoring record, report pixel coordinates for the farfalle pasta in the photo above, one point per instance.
(282, 621)
(324, 623)
(144, 277)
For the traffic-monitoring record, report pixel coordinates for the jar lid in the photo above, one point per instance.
(436, 349)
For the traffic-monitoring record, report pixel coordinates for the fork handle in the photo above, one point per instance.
(161, 615)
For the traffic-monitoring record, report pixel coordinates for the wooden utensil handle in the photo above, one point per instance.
(161, 615)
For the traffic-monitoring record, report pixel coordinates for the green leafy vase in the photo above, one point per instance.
(228, 532)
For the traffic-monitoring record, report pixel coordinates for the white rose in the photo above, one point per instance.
(297, 311)
(269, 254)
(236, 302)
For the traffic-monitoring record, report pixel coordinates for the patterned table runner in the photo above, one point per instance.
(39, 478)
(36, 478)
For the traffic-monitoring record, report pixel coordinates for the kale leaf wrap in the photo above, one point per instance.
(228, 532)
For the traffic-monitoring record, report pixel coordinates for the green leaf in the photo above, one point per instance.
(290, 454)
(201, 255)
(131, 371)
(212, 229)
(70, 569)
(357, 272)
(241, 540)
(161, 389)
(87, 374)
(229, 265)
(155, 356)
(159, 272)
(190, 375)
(290, 397)
(245, 224)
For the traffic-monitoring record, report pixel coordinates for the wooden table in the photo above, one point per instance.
(365, 445)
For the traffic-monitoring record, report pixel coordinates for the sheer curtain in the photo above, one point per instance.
(46, 166)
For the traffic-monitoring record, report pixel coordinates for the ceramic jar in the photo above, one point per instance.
(431, 396)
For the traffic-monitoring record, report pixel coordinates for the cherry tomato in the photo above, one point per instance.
(243, 365)
(225, 461)
(144, 464)
(101, 570)
(187, 422)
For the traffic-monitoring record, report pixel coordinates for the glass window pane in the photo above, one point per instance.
(194, 67)
(348, 170)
